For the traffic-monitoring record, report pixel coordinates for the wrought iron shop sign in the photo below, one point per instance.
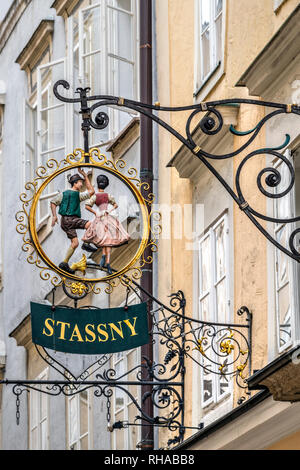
(89, 331)
(88, 226)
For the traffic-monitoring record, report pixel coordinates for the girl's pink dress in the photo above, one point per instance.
(105, 230)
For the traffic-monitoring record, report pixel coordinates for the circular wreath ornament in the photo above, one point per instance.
(27, 222)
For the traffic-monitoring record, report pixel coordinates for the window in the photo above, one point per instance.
(123, 407)
(209, 39)
(44, 126)
(39, 420)
(104, 57)
(33, 72)
(50, 126)
(214, 304)
(30, 151)
(283, 264)
(79, 421)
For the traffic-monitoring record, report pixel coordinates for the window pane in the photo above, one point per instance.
(218, 39)
(131, 363)
(121, 34)
(284, 315)
(44, 405)
(73, 420)
(221, 302)
(205, 53)
(44, 435)
(205, 271)
(205, 14)
(119, 395)
(205, 37)
(34, 408)
(219, 6)
(282, 260)
(92, 68)
(223, 384)
(207, 379)
(124, 4)
(220, 250)
(204, 309)
(91, 30)
(121, 78)
(282, 205)
(83, 413)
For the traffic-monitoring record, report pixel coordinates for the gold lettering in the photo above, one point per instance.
(130, 326)
(62, 328)
(102, 332)
(90, 333)
(117, 330)
(50, 328)
(77, 334)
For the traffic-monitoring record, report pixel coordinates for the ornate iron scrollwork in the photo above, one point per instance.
(211, 123)
(179, 337)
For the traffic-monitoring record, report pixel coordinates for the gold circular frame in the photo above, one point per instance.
(26, 219)
(138, 197)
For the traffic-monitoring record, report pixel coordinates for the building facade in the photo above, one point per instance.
(220, 50)
(87, 43)
(202, 50)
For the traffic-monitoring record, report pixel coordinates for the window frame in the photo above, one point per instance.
(210, 233)
(104, 80)
(35, 394)
(292, 277)
(203, 84)
(76, 444)
(41, 89)
(127, 401)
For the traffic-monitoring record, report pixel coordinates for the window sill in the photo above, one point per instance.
(215, 410)
(207, 79)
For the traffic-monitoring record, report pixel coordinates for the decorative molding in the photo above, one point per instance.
(185, 162)
(22, 333)
(36, 45)
(274, 59)
(281, 377)
(11, 19)
(65, 7)
(125, 139)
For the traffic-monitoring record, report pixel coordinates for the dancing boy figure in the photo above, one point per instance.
(69, 209)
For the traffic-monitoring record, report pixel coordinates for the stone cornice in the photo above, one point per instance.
(185, 161)
(22, 333)
(65, 7)
(281, 377)
(275, 58)
(36, 45)
(11, 19)
(125, 139)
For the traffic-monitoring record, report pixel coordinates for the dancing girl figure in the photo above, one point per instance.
(105, 230)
